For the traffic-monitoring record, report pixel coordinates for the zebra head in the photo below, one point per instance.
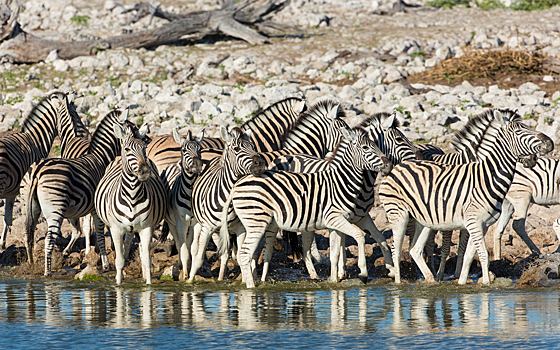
(239, 153)
(365, 154)
(133, 153)
(190, 151)
(525, 143)
(383, 130)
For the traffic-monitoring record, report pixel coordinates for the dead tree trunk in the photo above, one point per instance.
(230, 20)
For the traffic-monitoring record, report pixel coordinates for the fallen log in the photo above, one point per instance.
(231, 20)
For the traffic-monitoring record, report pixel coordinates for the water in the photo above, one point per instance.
(34, 314)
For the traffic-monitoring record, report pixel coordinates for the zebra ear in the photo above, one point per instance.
(124, 115)
(500, 117)
(201, 136)
(388, 123)
(247, 135)
(299, 107)
(177, 137)
(224, 134)
(348, 134)
(144, 129)
(118, 130)
(333, 113)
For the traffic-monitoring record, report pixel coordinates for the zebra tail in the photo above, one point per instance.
(164, 232)
(224, 231)
(30, 220)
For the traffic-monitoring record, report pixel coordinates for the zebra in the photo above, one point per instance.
(304, 202)
(131, 197)
(540, 185)
(383, 130)
(179, 179)
(267, 127)
(62, 187)
(446, 197)
(18, 151)
(212, 186)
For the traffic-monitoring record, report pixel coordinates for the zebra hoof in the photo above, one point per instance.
(364, 279)
(189, 281)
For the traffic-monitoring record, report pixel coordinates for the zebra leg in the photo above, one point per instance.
(7, 221)
(86, 229)
(307, 239)
(445, 248)
(368, 226)
(463, 242)
(399, 224)
(340, 223)
(196, 236)
(429, 250)
(334, 241)
(507, 210)
(417, 253)
(145, 239)
(267, 254)
(315, 251)
(342, 260)
(518, 225)
(117, 235)
(99, 227)
(198, 259)
(180, 237)
(476, 241)
(556, 228)
(128, 238)
(76, 232)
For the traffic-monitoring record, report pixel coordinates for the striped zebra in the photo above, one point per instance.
(540, 185)
(267, 128)
(303, 202)
(382, 128)
(64, 188)
(211, 188)
(18, 151)
(179, 179)
(447, 197)
(131, 197)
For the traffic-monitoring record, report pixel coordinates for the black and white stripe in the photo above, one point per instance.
(214, 184)
(64, 188)
(304, 202)
(131, 197)
(18, 151)
(448, 197)
(179, 180)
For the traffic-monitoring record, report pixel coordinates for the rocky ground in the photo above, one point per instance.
(335, 49)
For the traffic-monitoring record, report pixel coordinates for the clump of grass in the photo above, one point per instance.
(448, 4)
(92, 278)
(487, 5)
(166, 278)
(531, 5)
(80, 20)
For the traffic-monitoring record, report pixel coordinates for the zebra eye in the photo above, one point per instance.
(237, 149)
(127, 149)
(365, 148)
(399, 139)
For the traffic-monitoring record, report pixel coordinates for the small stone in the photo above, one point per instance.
(52, 56)
(88, 271)
(136, 86)
(61, 65)
(171, 272)
(548, 78)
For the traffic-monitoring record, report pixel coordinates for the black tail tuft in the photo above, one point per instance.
(164, 232)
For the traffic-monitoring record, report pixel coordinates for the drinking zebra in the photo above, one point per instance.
(21, 149)
(382, 128)
(211, 188)
(179, 179)
(304, 202)
(64, 188)
(131, 197)
(447, 197)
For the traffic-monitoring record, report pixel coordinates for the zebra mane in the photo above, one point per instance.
(261, 117)
(377, 120)
(342, 143)
(104, 132)
(236, 131)
(479, 134)
(27, 122)
(79, 128)
(316, 114)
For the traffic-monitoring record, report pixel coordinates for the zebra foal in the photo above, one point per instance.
(303, 202)
(131, 197)
(179, 179)
(448, 197)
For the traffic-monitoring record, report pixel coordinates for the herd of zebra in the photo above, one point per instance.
(293, 167)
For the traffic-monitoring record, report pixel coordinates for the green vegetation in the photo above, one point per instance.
(520, 5)
(432, 102)
(420, 53)
(487, 5)
(238, 121)
(56, 150)
(14, 100)
(462, 104)
(549, 120)
(92, 278)
(531, 5)
(79, 20)
(166, 278)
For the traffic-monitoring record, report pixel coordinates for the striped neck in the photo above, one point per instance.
(41, 124)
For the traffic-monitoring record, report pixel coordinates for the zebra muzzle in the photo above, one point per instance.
(143, 171)
(547, 145)
(530, 161)
(419, 155)
(386, 167)
(259, 165)
(197, 165)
